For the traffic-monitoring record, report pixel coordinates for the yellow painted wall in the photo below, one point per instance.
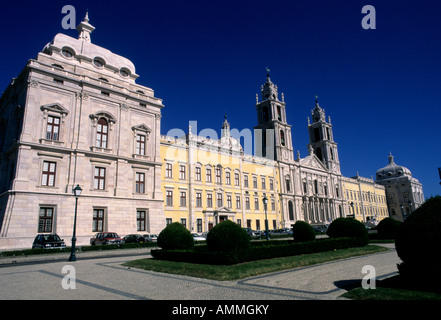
(368, 198)
(176, 154)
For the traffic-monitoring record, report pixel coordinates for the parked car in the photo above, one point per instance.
(103, 238)
(150, 237)
(134, 238)
(251, 233)
(48, 241)
(320, 228)
(197, 237)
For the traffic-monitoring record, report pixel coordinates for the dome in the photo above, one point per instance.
(392, 170)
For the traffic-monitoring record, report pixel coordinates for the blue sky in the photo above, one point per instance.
(206, 58)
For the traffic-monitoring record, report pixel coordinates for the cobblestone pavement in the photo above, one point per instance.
(104, 278)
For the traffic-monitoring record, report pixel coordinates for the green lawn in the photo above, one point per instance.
(249, 269)
(391, 289)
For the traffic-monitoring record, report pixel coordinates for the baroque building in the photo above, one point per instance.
(404, 193)
(76, 116)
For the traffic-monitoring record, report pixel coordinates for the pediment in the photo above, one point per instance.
(55, 107)
(224, 210)
(103, 114)
(312, 161)
(142, 127)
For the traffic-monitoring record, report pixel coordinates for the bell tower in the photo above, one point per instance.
(321, 139)
(271, 120)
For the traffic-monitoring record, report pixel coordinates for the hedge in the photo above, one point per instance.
(257, 251)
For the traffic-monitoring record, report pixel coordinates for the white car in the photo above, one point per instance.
(150, 237)
(197, 237)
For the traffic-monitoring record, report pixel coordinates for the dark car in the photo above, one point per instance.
(134, 238)
(103, 238)
(48, 241)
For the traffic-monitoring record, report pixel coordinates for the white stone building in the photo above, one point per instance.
(75, 116)
(404, 193)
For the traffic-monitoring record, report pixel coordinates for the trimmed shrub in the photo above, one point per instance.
(175, 237)
(258, 251)
(418, 242)
(347, 227)
(303, 231)
(228, 236)
(388, 228)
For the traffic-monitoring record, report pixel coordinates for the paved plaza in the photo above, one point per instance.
(104, 278)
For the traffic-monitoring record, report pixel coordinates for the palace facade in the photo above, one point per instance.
(76, 116)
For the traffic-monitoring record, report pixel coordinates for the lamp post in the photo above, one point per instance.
(265, 202)
(77, 192)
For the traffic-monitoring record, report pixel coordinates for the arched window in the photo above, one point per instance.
(288, 184)
(282, 137)
(102, 133)
(318, 153)
(291, 210)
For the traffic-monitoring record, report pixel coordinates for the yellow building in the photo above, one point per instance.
(365, 199)
(206, 181)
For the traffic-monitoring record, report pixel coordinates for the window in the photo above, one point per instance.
(140, 144)
(315, 187)
(198, 225)
(282, 137)
(183, 199)
(245, 181)
(182, 172)
(255, 182)
(288, 184)
(209, 200)
(247, 203)
(53, 128)
(305, 188)
(124, 73)
(227, 178)
(49, 170)
(169, 198)
(184, 222)
(208, 175)
(273, 205)
(67, 53)
(256, 203)
(229, 204)
(236, 179)
(141, 219)
(140, 182)
(45, 220)
(218, 175)
(98, 63)
(271, 181)
(198, 175)
(237, 202)
(101, 133)
(257, 224)
(263, 183)
(219, 200)
(168, 221)
(168, 170)
(100, 178)
(199, 199)
(98, 220)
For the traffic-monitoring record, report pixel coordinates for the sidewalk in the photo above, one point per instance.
(64, 256)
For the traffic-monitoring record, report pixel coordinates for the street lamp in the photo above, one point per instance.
(77, 192)
(265, 202)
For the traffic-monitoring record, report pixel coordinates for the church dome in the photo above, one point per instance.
(392, 170)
